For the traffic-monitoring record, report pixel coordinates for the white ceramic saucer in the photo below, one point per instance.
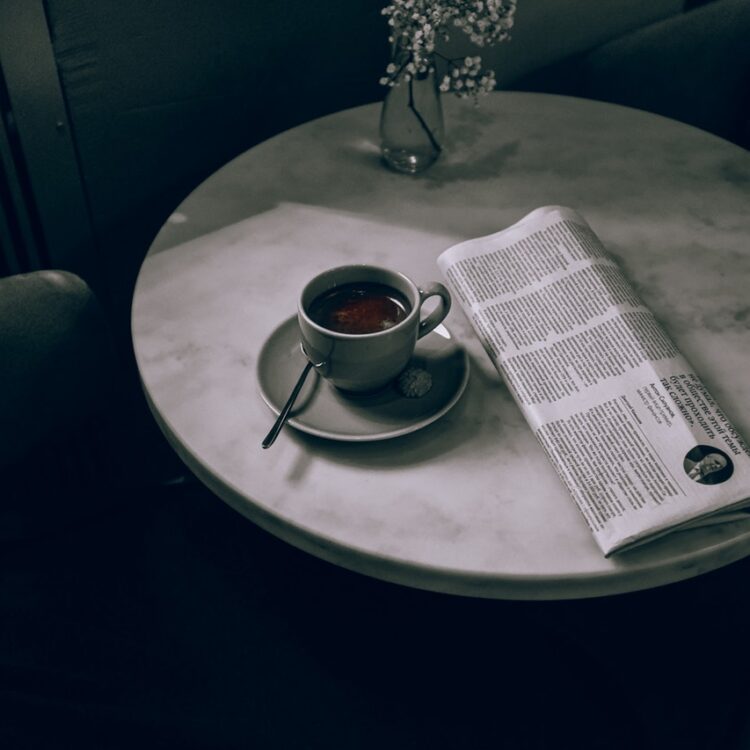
(324, 411)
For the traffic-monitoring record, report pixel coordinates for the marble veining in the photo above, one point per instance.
(470, 504)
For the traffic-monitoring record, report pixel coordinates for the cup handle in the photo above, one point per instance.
(436, 317)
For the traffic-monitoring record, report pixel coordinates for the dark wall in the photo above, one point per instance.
(160, 93)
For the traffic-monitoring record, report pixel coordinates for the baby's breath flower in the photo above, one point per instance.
(417, 25)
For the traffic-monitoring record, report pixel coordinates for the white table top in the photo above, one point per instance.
(468, 505)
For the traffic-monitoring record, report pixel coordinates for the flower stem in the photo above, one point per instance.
(421, 120)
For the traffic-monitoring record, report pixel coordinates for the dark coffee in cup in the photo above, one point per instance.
(359, 324)
(359, 308)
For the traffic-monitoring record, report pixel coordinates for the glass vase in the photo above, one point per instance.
(411, 124)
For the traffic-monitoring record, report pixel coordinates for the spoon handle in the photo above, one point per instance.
(281, 419)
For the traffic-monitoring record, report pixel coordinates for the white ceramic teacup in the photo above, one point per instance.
(365, 362)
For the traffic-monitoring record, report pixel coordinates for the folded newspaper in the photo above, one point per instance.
(633, 433)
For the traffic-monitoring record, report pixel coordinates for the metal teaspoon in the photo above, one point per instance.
(284, 414)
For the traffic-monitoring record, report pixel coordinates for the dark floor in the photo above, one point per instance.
(172, 622)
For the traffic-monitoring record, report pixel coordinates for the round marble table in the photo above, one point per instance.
(468, 505)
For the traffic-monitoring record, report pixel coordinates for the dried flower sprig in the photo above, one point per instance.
(417, 26)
